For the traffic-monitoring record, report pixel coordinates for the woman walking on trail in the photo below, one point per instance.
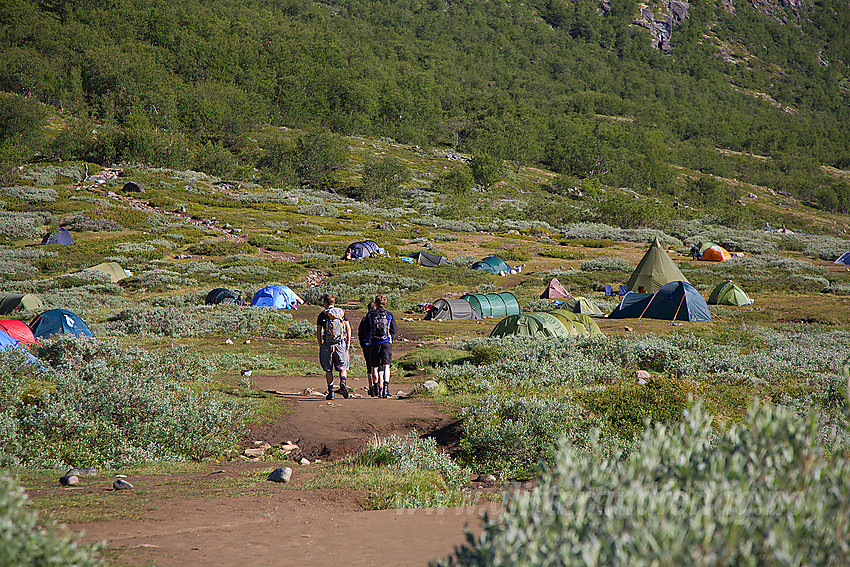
(333, 332)
(364, 337)
(382, 327)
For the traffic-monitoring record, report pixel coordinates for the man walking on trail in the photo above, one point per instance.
(333, 331)
(364, 337)
(382, 327)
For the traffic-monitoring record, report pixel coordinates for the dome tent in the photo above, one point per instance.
(716, 254)
(8, 343)
(11, 301)
(654, 270)
(428, 260)
(677, 301)
(631, 306)
(728, 293)
(531, 325)
(364, 249)
(18, 330)
(223, 295)
(61, 236)
(844, 259)
(493, 304)
(492, 264)
(451, 310)
(58, 321)
(112, 269)
(277, 296)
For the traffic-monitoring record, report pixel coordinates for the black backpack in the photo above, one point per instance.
(379, 324)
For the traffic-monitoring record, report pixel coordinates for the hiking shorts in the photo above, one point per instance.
(380, 355)
(333, 357)
(366, 356)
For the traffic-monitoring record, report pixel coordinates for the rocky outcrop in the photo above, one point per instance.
(783, 11)
(661, 20)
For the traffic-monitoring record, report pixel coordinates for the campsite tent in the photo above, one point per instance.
(678, 301)
(493, 304)
(704, 245)
(631, 306)
(531, 325)
(429, 260)
(654, 270)
(583, 324)
(582, 305)
(844, 259)
(554, 290)
(11, 301)
(716, 254)
(18, 330)
(61, 236)
(364, 249)
(728, 293)
(112, 269)
(451, 309)
(222, 295)
(277, 296)
(57, 321)
(492, 264)
(8, 343)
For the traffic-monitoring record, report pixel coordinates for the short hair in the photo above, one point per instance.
(381, 300)
(328, 299)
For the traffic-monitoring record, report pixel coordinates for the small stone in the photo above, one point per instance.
(280, 475)
(228, 342)
(69, 480)
(642, 374)
(288, 447)
(430, 385)
(304, 461)
(246, 372)
(254, 453)
(628, 329)
(121, 484)
(641, 382)
(247, 341)
(488, 478)
(120, 476)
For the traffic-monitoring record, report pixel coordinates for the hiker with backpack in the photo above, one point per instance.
(364, 337)
(382, 327)
(333, 331)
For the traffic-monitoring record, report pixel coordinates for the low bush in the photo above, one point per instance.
(24, 226)
(220, 248)
(31, 195)
(607, 265)
(81, 222)
(199, 320)
(562, 254)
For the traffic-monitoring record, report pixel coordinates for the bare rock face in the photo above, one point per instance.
(661, 21)
(783, 11)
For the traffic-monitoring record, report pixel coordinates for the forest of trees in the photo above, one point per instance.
(184, 83)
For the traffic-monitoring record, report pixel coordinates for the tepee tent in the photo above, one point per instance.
(655, 270)
(554, 290)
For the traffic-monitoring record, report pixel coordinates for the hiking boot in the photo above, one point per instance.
(330, 395)
(373, 391)
(343, 390)
(385, 393)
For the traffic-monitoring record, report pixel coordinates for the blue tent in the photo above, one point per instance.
(57, 321)
(277, 296)
(8, 343)
(679, 301)
(492, 264)
(844, 259)
(62, 236)
(365, 249)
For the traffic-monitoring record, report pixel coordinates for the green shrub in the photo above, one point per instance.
(220, 248)
(765, 494)
(562, 254)
(614, 264)
(31, 195)
(199, 320)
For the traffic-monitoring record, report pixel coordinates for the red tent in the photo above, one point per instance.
(554, 290)
(18, 330)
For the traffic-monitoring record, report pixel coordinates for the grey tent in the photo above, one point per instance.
(583, 305)
(429, 260)
(451, 310)
(11, 301)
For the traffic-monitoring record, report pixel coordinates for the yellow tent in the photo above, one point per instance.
(112, 269)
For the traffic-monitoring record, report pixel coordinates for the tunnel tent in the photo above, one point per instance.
(447, 309)
(590, 326)
(530, 325)
(277, 296)
(363, 249)
(18, 330)
(728, 293)
(554, 290)
(493, 304)
(11, 301)
(61, 236)
(112, 269)
(492, 264)
(58, 321)
(654, 270)
(428, 260)
(844, 259)
(8, 343)
(223, 295)
(583, 305)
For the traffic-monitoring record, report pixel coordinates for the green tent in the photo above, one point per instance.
(588, 326)
(11, 301)
(705, 245)
(491, 264)
(530, 325)
(582, 305)
(493, 304)
(655, 270)
(728, 293)
(112, 269)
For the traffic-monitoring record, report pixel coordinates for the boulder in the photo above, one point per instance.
(121, 484)
(304, 461)
(69, 480)
(133, 187)
(488, 478)
(280, 475)
(642, 375)
(430, 385)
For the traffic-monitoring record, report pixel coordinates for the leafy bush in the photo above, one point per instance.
(606, 265)
(24, 542)
(198, 320)
(31, 195)
(300, 330)
(739, 497)
(16, 226)
(48, 174)
(81, 222)
(220, 248)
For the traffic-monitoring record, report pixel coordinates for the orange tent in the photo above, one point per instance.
(716, 254)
